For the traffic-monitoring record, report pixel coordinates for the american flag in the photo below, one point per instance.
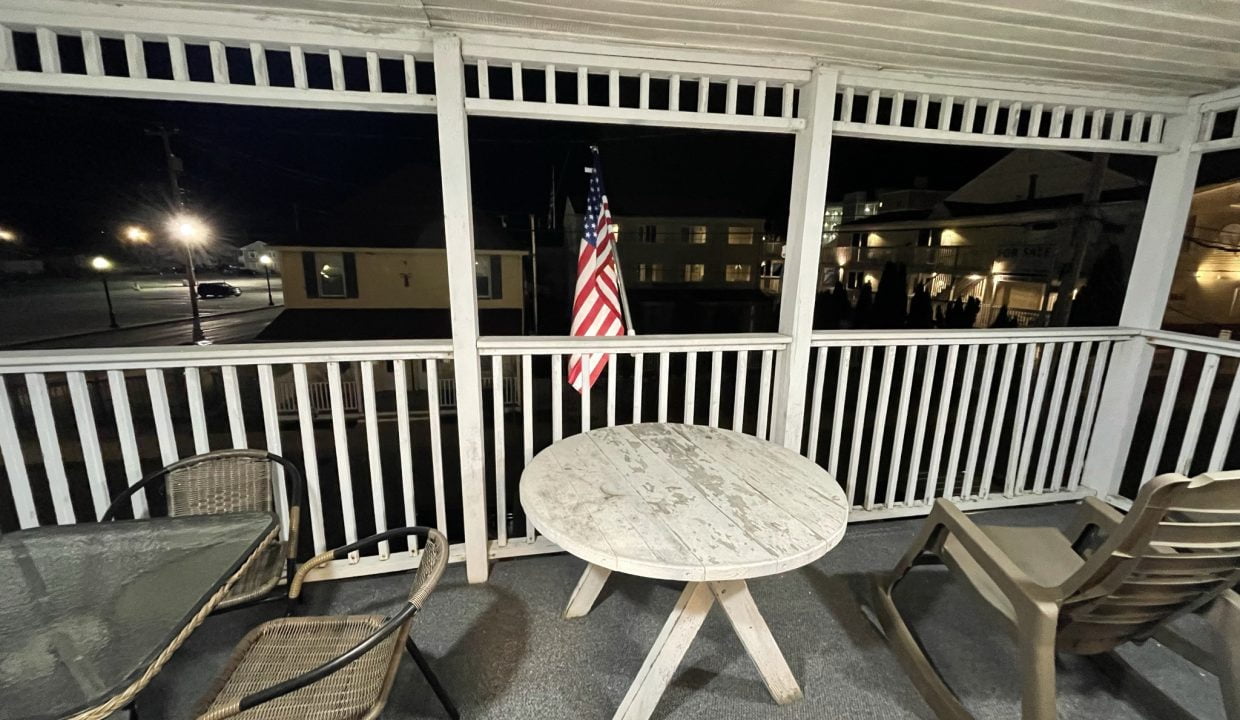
(596, 308)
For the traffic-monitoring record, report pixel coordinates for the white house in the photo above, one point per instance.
(249, 256)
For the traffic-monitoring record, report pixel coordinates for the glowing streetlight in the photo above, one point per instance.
(8, 235)
(103, 265)
(266, 261)
(137, 234)
(190, 231)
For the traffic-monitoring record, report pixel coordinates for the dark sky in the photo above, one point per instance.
(78, 168)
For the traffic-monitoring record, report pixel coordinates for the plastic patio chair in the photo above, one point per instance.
(1176, 551)
(330, 667)
(226, 481)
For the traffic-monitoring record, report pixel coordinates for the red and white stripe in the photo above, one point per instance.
(596, 308)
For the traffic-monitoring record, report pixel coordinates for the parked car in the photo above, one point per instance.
(217, 290)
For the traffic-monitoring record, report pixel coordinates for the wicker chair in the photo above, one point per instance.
(1108, 580)
(232, 481)
(328, 668)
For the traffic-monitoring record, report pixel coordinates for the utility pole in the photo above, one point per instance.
(175, 168)
(1085, 232)
(534, 267)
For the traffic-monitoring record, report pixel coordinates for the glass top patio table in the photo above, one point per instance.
(86, 609)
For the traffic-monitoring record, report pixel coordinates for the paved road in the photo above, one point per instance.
(57, 314)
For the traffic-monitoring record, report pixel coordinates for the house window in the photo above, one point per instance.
(487, 275)
(331, 275)
(650, 272)
(695, 234)
(694, 273)
(740, 235)
(737, 273)
(649, 234)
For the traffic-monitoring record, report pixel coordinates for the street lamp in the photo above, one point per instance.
(190, 231)
(266, 261)
(137, 234)
(8, 235)
(103, 265)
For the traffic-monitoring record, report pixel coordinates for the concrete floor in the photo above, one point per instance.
(503, 651)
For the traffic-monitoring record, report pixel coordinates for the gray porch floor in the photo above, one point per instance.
(503, 651)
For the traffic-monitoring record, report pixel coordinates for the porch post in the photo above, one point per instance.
(462, 295)
(810, 162)
(1149, 287)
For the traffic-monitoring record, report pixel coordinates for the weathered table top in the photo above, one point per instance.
(85, 609)
(683, 502)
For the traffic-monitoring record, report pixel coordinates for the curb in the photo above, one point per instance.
(155, 323)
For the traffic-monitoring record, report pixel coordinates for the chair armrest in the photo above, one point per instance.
(343, 551)
(307, 678)
(1018, 587)
(110, 513)
(293, 485)
(1092, 514)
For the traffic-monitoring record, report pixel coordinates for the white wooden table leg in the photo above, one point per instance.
(738, 604)
(587, 590)
(669, 649)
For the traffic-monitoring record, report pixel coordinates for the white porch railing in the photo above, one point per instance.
(989, 418)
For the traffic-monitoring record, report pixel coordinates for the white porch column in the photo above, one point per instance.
(810, 163)
(1149, 287)
(462, 292)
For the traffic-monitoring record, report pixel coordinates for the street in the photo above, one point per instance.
(150, 311)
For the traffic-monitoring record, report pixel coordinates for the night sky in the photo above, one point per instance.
(78, 168)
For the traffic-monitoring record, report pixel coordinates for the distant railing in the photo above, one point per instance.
(447, 391)
(320, 397)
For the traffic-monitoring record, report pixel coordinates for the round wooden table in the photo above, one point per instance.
(683, 502)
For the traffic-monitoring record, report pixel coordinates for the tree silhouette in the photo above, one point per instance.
(1101, 300)
(1004, 320)
(920, 309)
(891, 300)
(863, 313)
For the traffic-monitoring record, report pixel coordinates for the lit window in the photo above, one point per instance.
(737, 273)
(695, 234)
(331, 274)
(740, 235)
(482, 275)
(652, 272)
(694, 273)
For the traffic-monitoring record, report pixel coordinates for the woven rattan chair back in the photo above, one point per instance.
(430, 569)
(220, 482)
(1177, 549)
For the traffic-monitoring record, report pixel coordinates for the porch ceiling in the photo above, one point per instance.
(1159, 46)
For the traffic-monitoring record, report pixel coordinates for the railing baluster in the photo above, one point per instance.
(432, 402)
(945, 112)
(583, 86)
(759, 99)
(996, 425)
(664, 360)
(1058, 475)
(49, 447)
(335, 64)
(690, 387)
(919, 430)
(232, 400)
(969, 119)
(638, 362)
(962, 409)
(673, 93)
(612, 370)
(15, 464)
(897, 110)
(557, 397)
(716, 381)
(127, 438)
(1088, 416)
(1227, 424)
(940, 424)
(340, 436)
(404, 438)
(730, 103)
(846, 104)
(880, 425)
(1170, 391)
(373, 82)
(613, 88)
(49, 50)
(370, 417)
(219, 62)
(1052, 417)
(310, 456)
(979, 422)
(643, 91)
(410, 66)
(92, 53)
(88, 438)
(703, 93)
(815, 407)
(1034, 420)
(176, 57)
(297, 58)
(897, 448)
(527, 422)
(764, 393)
(165, 432)
(1018, 422)
(738, 395)
(837, 411)
(271, 430)
(858, 426)
(789, 99)
(1192, 432)
(135, 56)
(197, 414)
(258, 61)
(501, 465)
(518, 83)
